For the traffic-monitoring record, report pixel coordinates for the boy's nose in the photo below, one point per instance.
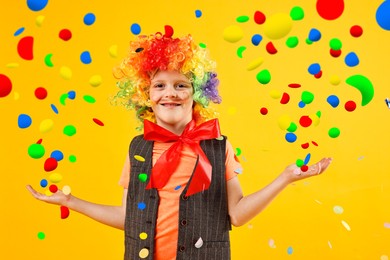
(170, 92)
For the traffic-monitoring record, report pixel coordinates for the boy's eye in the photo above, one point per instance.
(182, 86)
(159, 85)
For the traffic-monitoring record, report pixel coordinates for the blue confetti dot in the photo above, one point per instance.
(71, 94)
(54, 108)
(307, 159)
(85, 57)
(351, 59)
(19, 31)
(291, 137)
(256, 39)
(89, 19)
(383, 15)
(333, 100)
(289, 250)
(177, 187)
(57, 154)
(43, 183)
(141, 205)
(301, 104)
(24, 121)
(135, 29)
(314, 35)
(36, 5)
(198, 13)
(314, 68)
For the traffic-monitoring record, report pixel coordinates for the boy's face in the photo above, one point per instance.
(171, 97)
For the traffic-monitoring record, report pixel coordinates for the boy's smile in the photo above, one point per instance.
(171, 98)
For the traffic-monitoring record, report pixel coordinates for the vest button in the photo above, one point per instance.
(152, 196)
(183, 222)
(184, 197)
(182, 248)
(148, 222)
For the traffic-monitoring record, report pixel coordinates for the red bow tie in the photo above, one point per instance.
(169, 160)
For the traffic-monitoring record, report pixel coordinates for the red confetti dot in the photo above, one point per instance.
(356, 31)
(97, 121)
(294, 85)
(330, 9)
(285, 98)
(25, 48)
(5, 85)
(259, 17)
(335, 53)
(263, 111)
(305, 145)
(350, 106)
(53, 188)
(314, 143)
(271, 48)
(168, 31)
(64, 212)
(50, 164)
(305, 121)
(304, 168)
(318, 75)
(39, 141)
(65, 34)
(40, 93)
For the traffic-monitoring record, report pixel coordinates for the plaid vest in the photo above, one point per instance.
(204, 223)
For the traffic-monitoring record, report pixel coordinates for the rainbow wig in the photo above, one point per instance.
(149, 54)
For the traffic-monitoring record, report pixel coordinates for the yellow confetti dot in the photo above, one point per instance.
(275, 94)
(39, 20)
(284, 122)
(143, 235)
(55, 177)
(232, 110)
(48, 193)
(139, 158)
(315, 119)
(144, 253)
(16, 95)
(113, 51)
(334, 80)
(255, 63)
(12, 65)
(277, 26)
(233, 33)
(46, 125)
(384, 257)
(66, 190)
(95, 80)
(66, 72)
(345, 224)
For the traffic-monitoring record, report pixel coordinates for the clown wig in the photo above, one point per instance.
(149, 54)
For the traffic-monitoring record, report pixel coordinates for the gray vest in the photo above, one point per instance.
(202, 216)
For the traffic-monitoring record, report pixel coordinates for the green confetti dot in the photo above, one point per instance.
(297, 13)
(41, 235)
(240, 50)
(238, 151)
(318, 113)
(242, 19)
(307, 97)
(63, 98)
(36, 151)
(292, 42)
(335, 44)
(299, 162)
(69, 130)
(202, 45)
(72, 158)
(263, 77)
(89, 99)
(293, 127)
(142, 177)
(334, 132)
(308, 41)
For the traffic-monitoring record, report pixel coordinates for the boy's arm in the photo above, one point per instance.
(113, 216)
(242, 209)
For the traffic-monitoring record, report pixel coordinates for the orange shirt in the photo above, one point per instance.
(168, 210)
